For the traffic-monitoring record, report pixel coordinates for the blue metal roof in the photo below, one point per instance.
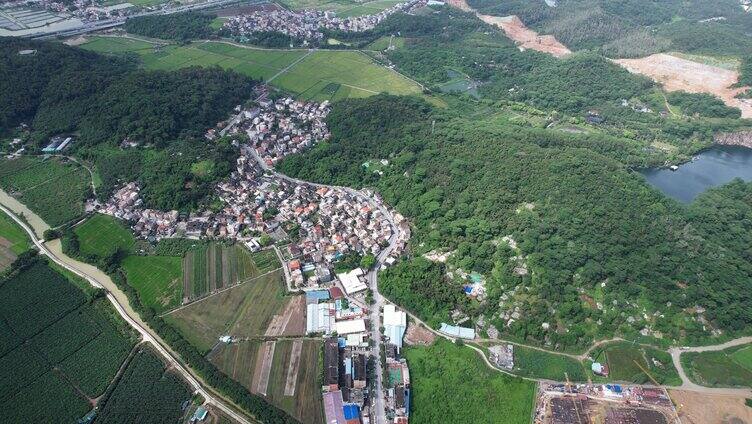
(351, 411)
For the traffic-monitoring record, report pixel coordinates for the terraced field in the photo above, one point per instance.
(54, 188)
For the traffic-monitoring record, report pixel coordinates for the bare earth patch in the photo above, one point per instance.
(263, 367)
(419, 335)
(292, 370)
(517, 31)
(699, 408)
(681, 74)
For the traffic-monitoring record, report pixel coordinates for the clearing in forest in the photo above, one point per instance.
(677, 74)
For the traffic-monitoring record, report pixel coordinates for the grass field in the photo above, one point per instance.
(320, 75)
(102, 235)
(214, 266)
(13, 241)
(383, 43)
(727, 368)
(158, 280)
(239, 361)
(343, 8)
(241, 311)
(52, 188)
(51, 366)
(537, 364)
(623, 359)
(446, 378)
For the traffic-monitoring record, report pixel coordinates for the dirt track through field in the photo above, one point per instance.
(263, 367)
(516, 30)
(290, 321)
(292, 370)
(681, 74)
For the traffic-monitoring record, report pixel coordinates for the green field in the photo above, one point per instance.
(727, 368)
(238, 361)
(102, 235)
(158, 280)
(446, 379)
(343, 8)
(54, 189)
(623, 359)
(13, 241)
(537, 364)
(320, 75)
(51, 366)
(242, 311)
(383, 43)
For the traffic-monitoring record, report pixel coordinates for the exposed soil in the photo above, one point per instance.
(291, 321)
(418, 335)
(515, 29)
(263, 367)
(292, 370)
(681, 74)
(698, 408)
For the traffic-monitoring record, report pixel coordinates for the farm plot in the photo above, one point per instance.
(52, 188)
(292, 366)
(52, 370)
(213, 266)
(627, 362)
(242, 311)
(535, 363)
(13, 241)
(727, 368)
(102, 235)
(146, 393)
(157, 279)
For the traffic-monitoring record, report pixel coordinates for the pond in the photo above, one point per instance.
(713, 167)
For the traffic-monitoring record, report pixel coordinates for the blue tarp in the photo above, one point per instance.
(351, 411)
(468, 289)
(342, 342)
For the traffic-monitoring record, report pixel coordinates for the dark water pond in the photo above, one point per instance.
(710, 168)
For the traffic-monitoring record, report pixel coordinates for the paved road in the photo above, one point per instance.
(130, 317)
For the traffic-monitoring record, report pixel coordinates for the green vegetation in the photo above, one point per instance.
(146, 393)
(702, 105)
(242, 311)
(727, 368)
(16, 239)
(444, 377)
(383, 43)
(103, 235)
(539, 364)
(55, 189)
(176, 26)
(164, 114)
(343, 8)
(627, 362)
(71, 350)
(158, 280)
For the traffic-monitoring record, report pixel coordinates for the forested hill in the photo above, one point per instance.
(107, 100)
(631, 28)
(588, 228)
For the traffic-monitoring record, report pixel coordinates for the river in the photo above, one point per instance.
(713, 167)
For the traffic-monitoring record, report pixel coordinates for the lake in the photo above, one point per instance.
(713, 167)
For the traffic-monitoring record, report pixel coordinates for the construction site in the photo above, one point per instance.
(560, 403)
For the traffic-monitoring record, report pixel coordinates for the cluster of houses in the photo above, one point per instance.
(279, 128)
(86, 10)
(307, 25)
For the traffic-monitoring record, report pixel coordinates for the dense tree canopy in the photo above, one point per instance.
(176, 26)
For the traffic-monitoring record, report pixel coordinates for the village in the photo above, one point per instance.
(307, 25)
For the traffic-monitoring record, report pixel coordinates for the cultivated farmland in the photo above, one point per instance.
(146, 393)
(52, 367)
(13, 241)
(242, 311)
(101, 235)
(343, 8)
(320, 75)
(294, 366)
(158, 280)
(52, 188)
(213, 266)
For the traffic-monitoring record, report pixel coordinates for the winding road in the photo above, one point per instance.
(118, 299)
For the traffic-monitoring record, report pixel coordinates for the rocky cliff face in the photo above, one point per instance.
(741, 138)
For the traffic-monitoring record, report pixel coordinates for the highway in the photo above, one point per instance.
(134, 321)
